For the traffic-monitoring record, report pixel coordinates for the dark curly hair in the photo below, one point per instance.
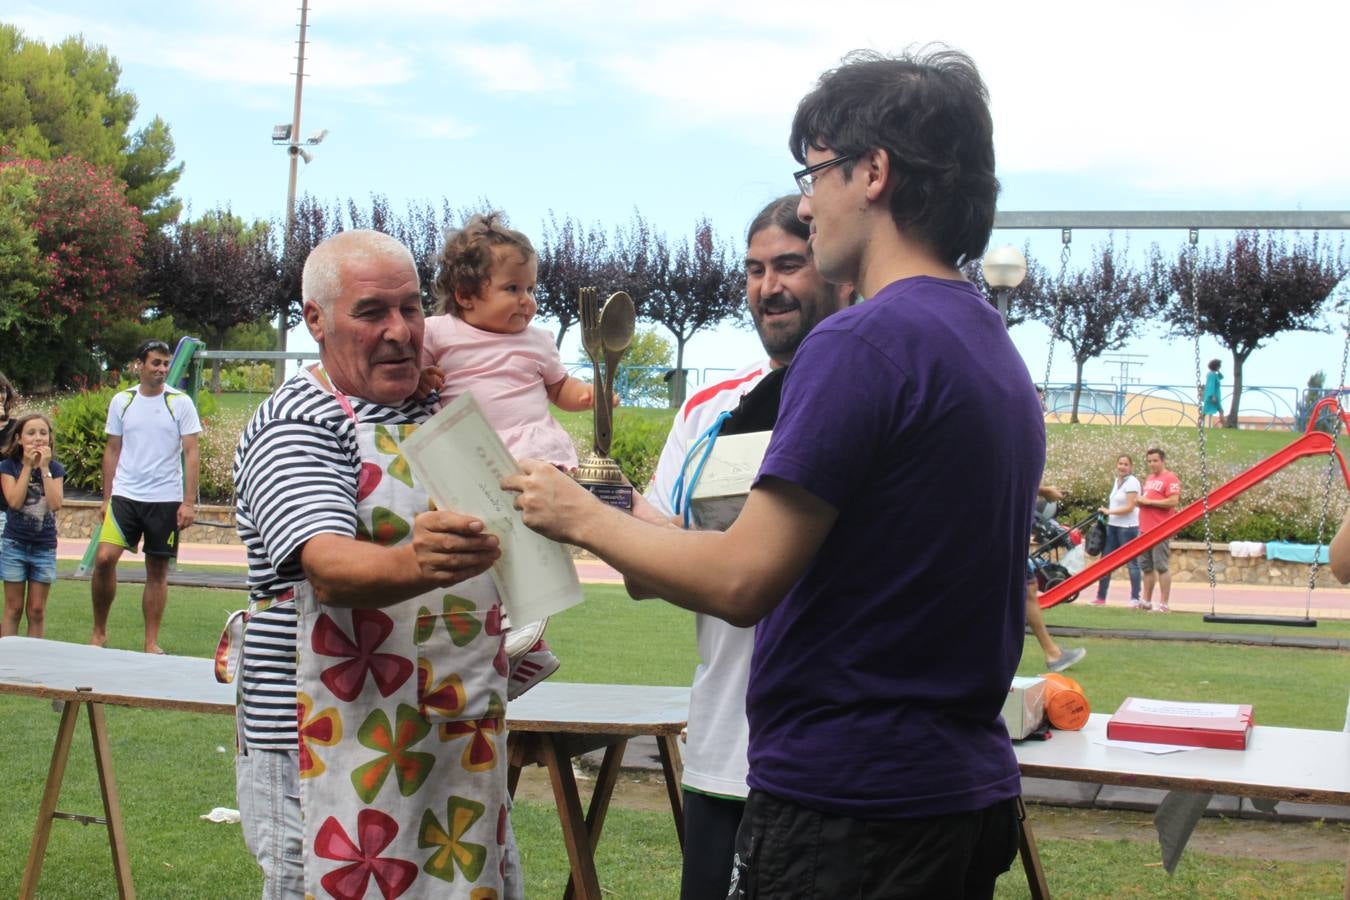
(464, 265)
(929, 111)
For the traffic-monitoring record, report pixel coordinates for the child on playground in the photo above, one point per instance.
(481, 342)
(1213, 399)
(32, 483)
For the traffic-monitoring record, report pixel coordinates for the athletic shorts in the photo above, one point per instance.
(1154, 559)
(127, 521)
(21, 561)
(787, 850)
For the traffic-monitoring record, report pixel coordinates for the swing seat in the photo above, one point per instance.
(1244, 619)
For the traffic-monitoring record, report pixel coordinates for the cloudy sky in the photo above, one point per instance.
(681, 110)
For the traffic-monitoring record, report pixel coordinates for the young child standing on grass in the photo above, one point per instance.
(481, 342)
(32, 483)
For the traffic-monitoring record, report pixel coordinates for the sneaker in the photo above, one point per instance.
(1141, 604)
(1099, 601)
(1066, 659)
(528, 670)
(1163, 608)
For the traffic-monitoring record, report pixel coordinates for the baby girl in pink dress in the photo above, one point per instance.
(482, 342)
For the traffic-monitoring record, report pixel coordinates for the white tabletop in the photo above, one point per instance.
(559, 706)
(60, 671)
(1279, 763)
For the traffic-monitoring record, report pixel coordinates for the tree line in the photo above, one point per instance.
(96, 253)
(1242, 293)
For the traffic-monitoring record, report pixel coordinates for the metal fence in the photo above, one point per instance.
(1263, 407)
(650, 386)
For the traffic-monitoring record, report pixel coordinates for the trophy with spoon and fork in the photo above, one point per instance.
(606, 332)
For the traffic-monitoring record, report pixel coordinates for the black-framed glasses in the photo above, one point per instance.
(806, 178)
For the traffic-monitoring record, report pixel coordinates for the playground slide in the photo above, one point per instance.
(178, 368)
(1312, 443)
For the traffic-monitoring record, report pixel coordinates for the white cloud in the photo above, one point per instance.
(418, 127)
(513, 68)
(235, 53)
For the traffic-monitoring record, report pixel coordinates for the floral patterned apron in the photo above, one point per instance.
(402, 720)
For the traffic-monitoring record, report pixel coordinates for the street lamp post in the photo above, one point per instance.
(289, 136)
(1004, 268)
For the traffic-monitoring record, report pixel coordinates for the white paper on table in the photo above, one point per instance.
(1189, 710)
(1144, 746)
(460, 460)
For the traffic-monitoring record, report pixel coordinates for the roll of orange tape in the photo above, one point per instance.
(1066, 706)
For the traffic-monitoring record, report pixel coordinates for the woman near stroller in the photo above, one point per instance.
(1122, 525)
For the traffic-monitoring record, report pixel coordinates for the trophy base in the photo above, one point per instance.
(601, 476)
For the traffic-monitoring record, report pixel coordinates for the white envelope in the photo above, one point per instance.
(461, 461)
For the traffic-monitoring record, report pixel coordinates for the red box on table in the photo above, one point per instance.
(1223, 726)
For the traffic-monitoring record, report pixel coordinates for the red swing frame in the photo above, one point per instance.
(1310, 443)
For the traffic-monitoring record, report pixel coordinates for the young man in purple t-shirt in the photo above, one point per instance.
(883, 548)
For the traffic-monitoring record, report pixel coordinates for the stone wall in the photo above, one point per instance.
(1188, 564)
(76, 519)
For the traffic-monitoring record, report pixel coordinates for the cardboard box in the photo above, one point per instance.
(1224, 726)
(1024, 708)
(717, 498)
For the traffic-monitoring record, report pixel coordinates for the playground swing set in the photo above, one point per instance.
(1312, 442)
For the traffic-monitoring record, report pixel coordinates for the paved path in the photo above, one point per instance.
(1327, 603)
(591, 571)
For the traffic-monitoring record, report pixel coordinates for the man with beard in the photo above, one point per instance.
(786, 297)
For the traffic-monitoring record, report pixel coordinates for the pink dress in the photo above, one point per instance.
(506, 374)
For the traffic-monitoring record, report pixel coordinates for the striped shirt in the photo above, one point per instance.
(295, 474)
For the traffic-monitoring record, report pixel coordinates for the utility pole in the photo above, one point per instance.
(294, 151)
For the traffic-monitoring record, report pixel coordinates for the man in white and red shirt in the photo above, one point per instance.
(786, 297)
(1157, 504)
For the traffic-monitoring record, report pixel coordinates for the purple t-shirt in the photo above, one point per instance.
(876, 685)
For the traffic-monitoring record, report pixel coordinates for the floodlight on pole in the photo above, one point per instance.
(1004, 268)
(289, 136)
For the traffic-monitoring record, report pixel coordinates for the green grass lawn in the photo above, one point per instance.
(174, 767)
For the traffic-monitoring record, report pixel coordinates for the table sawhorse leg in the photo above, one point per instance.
(576, 836)
(51, 793)
(1031, 857)
(673, 766)
(596, 810)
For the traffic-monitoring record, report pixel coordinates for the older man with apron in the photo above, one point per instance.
(396, 734)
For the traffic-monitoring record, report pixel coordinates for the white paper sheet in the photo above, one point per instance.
(1189, 710)
(1144, 747)
(461, 461)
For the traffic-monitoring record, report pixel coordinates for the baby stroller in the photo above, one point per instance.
(1058, 550)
